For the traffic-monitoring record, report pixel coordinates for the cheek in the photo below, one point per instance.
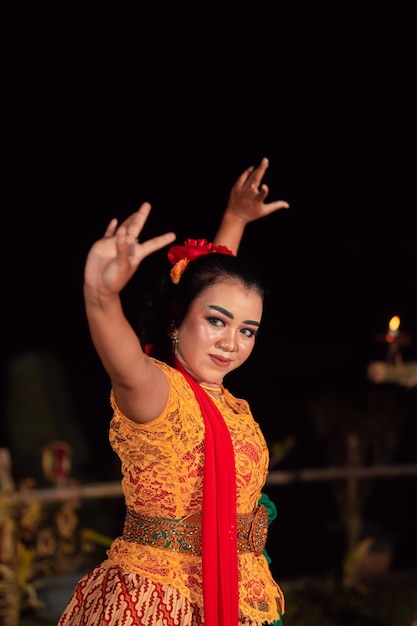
(198, 330)
(208, 333)
(245, 348)
(242, 355)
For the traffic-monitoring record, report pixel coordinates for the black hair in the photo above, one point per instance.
(207, 270)
(171, 302)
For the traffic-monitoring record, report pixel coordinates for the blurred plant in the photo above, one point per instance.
(358, 430)
(38, 540)
(279, 450)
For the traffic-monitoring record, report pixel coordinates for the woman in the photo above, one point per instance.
(193, 459)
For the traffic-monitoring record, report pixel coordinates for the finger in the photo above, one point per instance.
(133, 225)
(258, 173)
(275, 206)
(243, 177)
(131, 253)
(156, 243)
(263, 192)
(111, 228)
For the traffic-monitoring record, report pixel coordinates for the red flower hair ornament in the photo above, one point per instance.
(180, 256)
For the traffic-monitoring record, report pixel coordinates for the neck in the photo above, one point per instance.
(216, 392)
(215, 388)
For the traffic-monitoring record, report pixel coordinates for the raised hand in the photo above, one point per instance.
(113, 259)
(248, 194)
(246, 204)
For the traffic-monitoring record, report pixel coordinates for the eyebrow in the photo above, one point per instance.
(220, 309)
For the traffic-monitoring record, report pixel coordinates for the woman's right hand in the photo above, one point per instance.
(112, 260)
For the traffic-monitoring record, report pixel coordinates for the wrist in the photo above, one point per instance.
(234, 217)
(100, 298)
(230, 231)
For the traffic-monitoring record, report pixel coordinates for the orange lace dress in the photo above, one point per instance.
(162, 466)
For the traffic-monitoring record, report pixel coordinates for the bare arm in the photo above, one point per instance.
(140, 388)
(246, 204)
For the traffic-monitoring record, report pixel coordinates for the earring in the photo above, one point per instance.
(174, 336)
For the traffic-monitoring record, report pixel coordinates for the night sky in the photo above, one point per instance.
(103, 115)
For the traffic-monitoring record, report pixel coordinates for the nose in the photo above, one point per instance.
(228, 343)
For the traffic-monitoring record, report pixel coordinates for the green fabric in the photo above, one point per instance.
(269, 505)
(272, 514)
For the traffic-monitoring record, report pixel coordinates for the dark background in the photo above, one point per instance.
(170, 104)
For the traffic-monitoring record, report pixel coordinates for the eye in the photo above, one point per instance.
(249, 332)
(215, 321)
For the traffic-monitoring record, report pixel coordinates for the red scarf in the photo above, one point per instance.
(219, 524)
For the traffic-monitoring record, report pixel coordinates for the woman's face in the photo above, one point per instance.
(218, 333)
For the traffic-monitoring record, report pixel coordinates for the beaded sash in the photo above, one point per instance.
(185, 534)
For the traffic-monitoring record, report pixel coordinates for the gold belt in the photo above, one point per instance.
(185, 534)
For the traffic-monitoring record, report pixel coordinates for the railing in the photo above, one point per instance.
(11, 499)
(113, 489)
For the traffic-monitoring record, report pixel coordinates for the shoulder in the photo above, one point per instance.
(175, 378)
(239, 405)
(181, 403)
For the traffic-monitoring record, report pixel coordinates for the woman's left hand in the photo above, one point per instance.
(248, 194)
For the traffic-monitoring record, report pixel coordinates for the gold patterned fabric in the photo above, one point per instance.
(162, 465)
